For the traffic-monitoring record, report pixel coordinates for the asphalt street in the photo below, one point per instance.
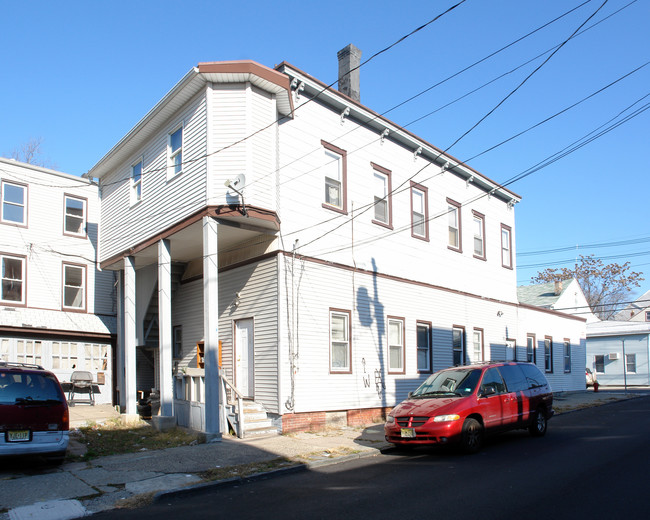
(591, 464)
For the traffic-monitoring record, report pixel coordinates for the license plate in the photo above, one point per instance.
(18, 436)
(408, 433)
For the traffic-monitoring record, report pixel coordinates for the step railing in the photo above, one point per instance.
(224, 401)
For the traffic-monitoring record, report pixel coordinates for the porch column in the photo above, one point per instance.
(130, 340)
(120, 342)
(211, 328)
(165, 328)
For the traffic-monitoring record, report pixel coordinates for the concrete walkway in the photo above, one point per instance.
(76, 489)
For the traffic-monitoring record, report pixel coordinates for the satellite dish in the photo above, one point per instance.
(237, 183)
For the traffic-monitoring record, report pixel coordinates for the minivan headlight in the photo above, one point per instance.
(390, 419)
(446, 418)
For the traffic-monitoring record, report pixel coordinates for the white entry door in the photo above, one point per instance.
(244, 357)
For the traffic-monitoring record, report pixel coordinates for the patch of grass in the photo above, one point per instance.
(245, 470)
(116, 438)
(136, 501)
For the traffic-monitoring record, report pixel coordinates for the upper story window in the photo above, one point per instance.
(14, 203)
(419, 212)
(506, 246)
(382, 194)
(479, 235)
(75, 216)
(175, 152)
(136, 182)
(531, 353)
(424, 346)
(13, 280)
(453, 219)
(335, 169)
(74, 287)
(340, 344)
(396, 345)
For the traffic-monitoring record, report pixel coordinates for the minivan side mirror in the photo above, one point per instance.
(488, 390)
(410, 394)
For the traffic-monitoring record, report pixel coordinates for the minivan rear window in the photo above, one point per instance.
(29, 388)
(515, 378)
(534, 376)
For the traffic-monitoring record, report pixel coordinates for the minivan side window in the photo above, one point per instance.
(534, 376)
(514, 377)
(492, 379)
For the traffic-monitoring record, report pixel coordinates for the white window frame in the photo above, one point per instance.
(341, 343)
(630, 360)
(419, 212)
(382, 196)
(458, 348)
(423, 340)
(72, 216)
(8, 281)
(479, 235)
(567, 356)
(67, 286)
(136, 185)
(506, 246)
(478, 352)
(175, 157)
(6, 204)
(548, 354)
(531, 351)
(454, 226)
(396, 344)
(334, 170)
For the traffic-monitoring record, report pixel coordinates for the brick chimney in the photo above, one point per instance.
(558, 287)
(349, 83)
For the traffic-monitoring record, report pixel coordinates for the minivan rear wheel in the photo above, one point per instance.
(472, 436)
(539, 424)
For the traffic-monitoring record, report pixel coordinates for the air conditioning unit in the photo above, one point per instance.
(613, 356)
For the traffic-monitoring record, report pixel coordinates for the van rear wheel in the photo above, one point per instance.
(539, 424)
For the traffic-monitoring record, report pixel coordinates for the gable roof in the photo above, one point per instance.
(634, 308)
(541, 295)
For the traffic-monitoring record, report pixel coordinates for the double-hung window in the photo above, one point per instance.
(458, 345)
(453, 224)
(419, 212)
(506, 246)
(567, 356)
(424, 346)
(531, 353)
(14, 203)
(175, 152)
(75, 216)
(13, 280)
(382, 196)
(548, 354)
(599, 364)
(479, 235)
(395, 345)
(340, 344)
(335, 173)
(630, 363)
(136, 182)
(477, 354)
(74, 287)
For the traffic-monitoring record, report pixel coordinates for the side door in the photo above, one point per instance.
(517, 406)
(492, 399)
(245, 357)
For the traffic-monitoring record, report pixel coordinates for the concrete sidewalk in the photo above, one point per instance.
(77, 489)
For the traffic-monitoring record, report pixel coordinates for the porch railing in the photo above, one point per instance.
(224, 401)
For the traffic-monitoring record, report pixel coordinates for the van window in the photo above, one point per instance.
(492, 379)
(534, 376)
(514, 378)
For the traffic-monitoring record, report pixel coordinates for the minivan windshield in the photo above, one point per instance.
(459, 382)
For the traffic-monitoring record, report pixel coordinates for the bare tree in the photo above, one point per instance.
(31, 153)
(606, 287)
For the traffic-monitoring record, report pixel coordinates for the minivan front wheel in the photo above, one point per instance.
(472, 436)
(539, 424)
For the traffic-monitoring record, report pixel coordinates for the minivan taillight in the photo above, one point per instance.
(65, 420)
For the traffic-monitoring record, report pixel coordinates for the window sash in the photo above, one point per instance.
(567, 357)
(530, 349)
(599, 364)
(339, 342)
(381, 197)
(176, 151)
(13, 203)
(548, 355)
(136, 181)
(333, 179)
(630, 363)
(479, 241)
(13, 280)
(506, 248)
(395, 345)
(423, 333)
(418, 204)
(457, 346)
(75, 216)
(478, 345)
(454, 228)
(74, 290)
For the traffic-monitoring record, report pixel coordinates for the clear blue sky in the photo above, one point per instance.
(80, 74)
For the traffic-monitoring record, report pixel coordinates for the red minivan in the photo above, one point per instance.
(34, 415)
(461, 404)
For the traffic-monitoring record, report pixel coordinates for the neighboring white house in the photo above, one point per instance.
(564, 296)
(638, 310)
(618, 352)
(325, 258)
(56, 308)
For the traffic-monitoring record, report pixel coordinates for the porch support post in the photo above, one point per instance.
(211, 328)
(130, 341)
(165, 328)
(120, 342)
